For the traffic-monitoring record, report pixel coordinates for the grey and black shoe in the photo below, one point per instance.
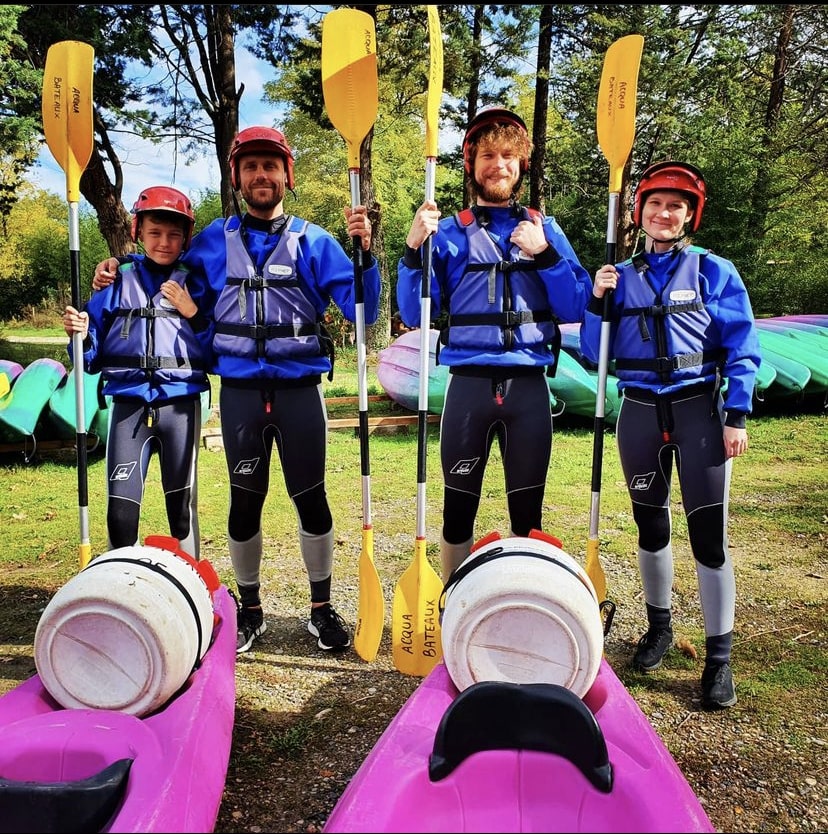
(718, 691)
(329, 627)
(651, 648)
(250, 624)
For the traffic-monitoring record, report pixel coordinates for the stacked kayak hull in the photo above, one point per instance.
(39, 403)
(778, 342)
(30, 393)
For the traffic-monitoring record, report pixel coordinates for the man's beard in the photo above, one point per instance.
(500, 193)
(275, 195)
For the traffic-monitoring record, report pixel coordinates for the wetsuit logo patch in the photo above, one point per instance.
(123, 471)
(464, 467)
(642, 482)
(246, 467)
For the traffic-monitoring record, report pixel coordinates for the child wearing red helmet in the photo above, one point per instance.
(147, 336)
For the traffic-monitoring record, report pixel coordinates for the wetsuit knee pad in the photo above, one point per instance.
(314, 511)
(245, 514)
(459, 510)
(525, 510)
(653, 527)
(706, 530)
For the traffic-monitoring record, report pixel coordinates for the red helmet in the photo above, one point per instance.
(672, 176)
(260, 140)
(163, 198)
(491, 115)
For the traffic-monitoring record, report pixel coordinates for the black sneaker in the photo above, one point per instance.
(329, 627)
(651, 649)
(250, 624)
(718, 691)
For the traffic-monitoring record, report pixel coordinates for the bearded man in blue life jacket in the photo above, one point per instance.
(505, 276)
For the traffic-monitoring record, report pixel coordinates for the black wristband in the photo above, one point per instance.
(736, 419)
(412, 258)
(596, 305)
(549, 257)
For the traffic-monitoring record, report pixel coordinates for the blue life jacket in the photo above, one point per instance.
(662, 335)
(149, 340)
(265, 313)
(507, 310)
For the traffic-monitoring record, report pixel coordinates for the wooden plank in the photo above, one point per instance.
(389, 421)
(372, 398)
(27, 447)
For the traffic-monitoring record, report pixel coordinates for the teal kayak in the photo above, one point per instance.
(30, 395)
(801, 350)
(62, 410)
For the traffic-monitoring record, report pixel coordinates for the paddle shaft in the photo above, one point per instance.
(603, 365)
(77, 370)
(362, 363)
(425, 350)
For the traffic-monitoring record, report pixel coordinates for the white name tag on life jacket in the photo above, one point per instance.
(682, 295)
(279, 269)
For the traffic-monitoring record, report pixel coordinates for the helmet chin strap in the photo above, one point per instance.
(675, 240)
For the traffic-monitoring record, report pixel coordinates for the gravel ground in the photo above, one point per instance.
(306, 721)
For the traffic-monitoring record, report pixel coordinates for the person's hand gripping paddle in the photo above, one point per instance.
(349, 86)
(67, 126)
(415, 623)
(616, 132)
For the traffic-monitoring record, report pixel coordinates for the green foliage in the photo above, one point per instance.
(35, 269)
(708, 92)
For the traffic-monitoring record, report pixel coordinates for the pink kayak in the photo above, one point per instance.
(505, 757)
(104, 770)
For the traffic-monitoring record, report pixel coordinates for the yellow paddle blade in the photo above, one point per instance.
(67, 109)
(594, 570)
(371, 614)
(415, 622)
(435, 80)
(349, 76)
(616, 104)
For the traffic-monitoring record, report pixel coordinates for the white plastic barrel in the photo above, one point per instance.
(521, 610)
(126, 632)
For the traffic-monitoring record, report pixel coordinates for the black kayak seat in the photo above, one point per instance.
(85, 805)
(498, 715)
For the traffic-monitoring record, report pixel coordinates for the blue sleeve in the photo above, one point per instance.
(592, 322)
(99, 309)
(568, 284)
(727, 301)
(329, 272)
(207, 256)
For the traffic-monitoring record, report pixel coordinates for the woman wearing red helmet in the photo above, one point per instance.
(681, 325)
(147, 335)
(506, 275)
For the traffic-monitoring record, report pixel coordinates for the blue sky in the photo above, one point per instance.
(145, 164)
